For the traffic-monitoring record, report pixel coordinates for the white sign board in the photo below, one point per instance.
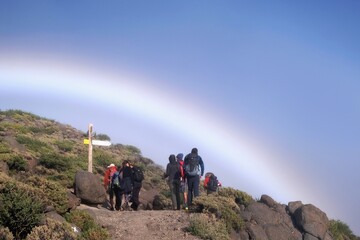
(101, 143)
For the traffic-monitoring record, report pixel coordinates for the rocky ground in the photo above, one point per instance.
(143, 224)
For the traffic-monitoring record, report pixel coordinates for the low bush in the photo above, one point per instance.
(89, 229)
(55, 193)
(4, 147)
(65, 145)
(241, 198)
(17, 163)
(340, 230)
(203, 226)
(102, 137)
(52, 230)
(55, 161)
(33, 144)
(103, 158)
(20, 211)
(223, 208)
(5, 234)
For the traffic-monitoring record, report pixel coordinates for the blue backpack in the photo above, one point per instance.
(116, 181)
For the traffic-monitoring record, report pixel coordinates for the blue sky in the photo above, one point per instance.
(268, 92)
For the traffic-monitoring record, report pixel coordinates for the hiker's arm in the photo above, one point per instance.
(202, 166)
(166, 174)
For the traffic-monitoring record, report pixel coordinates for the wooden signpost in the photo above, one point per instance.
(91, 143)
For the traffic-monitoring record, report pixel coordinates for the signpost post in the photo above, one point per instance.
(90, 148)
(91, 143)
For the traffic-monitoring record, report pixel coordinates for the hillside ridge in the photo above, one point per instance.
(48, 153)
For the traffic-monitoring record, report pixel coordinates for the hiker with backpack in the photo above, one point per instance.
(127, 183)
(173, 178)
(117, 190)
(111, 169)
(183, 182)
(194, 170)
(211, 183)
(138, 177)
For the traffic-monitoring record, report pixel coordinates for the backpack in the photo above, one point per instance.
(115, 180)
(138, 174)
(192, 166)
(211, 183)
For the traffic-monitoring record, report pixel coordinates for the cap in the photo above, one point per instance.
(111, 165)
(180, 156)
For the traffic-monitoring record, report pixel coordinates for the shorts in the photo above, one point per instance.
(183, 187)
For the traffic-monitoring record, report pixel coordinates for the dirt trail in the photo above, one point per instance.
(135, 225)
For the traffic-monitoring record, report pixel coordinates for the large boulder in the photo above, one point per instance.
(262, 214)
(293, 206)
(267, 200)
(312, 220)
(281, 232)
(89, 188)
(269, 220)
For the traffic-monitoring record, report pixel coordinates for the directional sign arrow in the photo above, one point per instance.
(101, 143)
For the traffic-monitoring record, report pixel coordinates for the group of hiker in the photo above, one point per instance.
(183, 176)
(123, 182)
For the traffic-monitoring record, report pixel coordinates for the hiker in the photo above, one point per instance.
(138, 177)
(127, 182)
(211, 183)
(111, 169)
(173, 175)
(194, 170)
(117, 189)
(183, 182)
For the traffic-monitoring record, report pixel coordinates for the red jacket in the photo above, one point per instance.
(182, 171)
(108, 174)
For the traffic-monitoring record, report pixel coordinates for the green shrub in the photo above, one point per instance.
(241, 198)
(156, 179)
(223, 208)
(33, 144)
(54, 192)
(340, 230)
(19, 210)
(102, 137)
(4, 148)
(55, 161)
(205, 227)
(5, 234)
(52, 230)
(17, 163)
(89, 229)
(65, 145)
(103, 158)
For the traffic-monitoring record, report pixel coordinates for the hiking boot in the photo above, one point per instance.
(112, 209)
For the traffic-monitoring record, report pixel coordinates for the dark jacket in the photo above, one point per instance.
(127, 179)
(172, 169)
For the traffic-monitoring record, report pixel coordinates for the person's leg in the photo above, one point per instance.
(196, 186)
(135, 198)
(190, 189)
(118, 197)
(111, 198)
(177, 194)
(173, 197)
(186, 195)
